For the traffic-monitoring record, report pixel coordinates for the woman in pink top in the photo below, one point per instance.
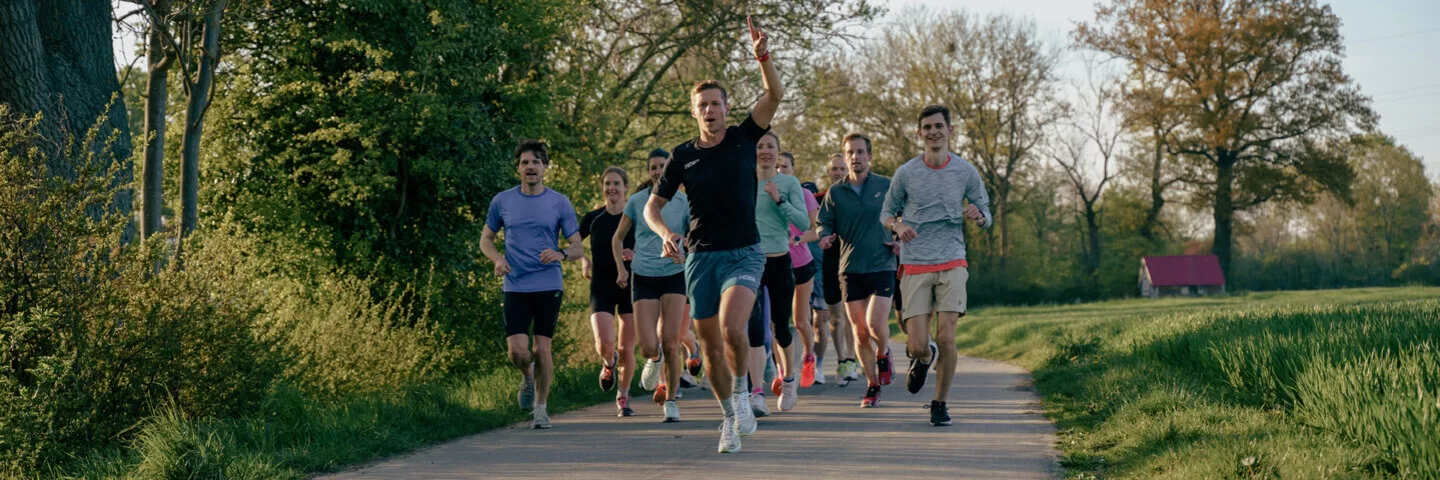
(804, 268)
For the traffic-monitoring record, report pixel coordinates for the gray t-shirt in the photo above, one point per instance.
(932, 200)
(648, 246)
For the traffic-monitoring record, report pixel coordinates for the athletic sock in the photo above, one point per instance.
(727, 405)
(789, 379)
(742, 383)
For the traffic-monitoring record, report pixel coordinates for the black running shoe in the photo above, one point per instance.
(872, 397)
(882, 364)
(918, 371)
(939, 414)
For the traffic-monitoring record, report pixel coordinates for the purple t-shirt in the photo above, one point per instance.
(532, 223)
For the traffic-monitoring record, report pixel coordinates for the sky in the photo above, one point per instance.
(1392, 50)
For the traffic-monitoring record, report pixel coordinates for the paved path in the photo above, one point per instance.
(999, 432)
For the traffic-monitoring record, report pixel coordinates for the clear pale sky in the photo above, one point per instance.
(1392, 50)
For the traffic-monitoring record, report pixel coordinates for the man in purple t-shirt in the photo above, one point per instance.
(533, 218)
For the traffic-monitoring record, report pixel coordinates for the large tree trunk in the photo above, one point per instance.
(195, 118)
(157, 92)
(57, 61)
(1224, 207)
(1157, 193)
(1092, 228)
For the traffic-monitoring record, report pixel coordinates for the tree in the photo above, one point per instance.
(1391, 196)
(994, 73)
(57, 62)
(158, 59)
(1093, 122)
(625, 68)
(1258, 87)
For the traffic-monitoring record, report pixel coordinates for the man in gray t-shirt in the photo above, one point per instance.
(931, 190)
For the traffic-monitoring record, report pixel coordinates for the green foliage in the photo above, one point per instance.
(1277, 385)
(376, 130)
(95, 333)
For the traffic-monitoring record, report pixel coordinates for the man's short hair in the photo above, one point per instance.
(659, 152)
(533, 146)
(934, 109)
(858, 136)
(710, 85)
(790, 156)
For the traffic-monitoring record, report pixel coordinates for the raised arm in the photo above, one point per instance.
(765, 109)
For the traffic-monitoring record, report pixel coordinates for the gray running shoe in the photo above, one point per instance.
(526, 396)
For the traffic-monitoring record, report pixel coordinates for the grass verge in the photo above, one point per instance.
(293, 436)
(1320, 384)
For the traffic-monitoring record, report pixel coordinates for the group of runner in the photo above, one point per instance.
(744, 252)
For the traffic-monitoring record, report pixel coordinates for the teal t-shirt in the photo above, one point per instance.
(648, 246)
(774, 220)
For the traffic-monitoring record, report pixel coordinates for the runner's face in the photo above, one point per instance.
(935, 132)
(614, 187)
(709, 109)
(657, 169)
(766, 151)
(786, 166)
(531, 169)
(837, 169)
(857, 156)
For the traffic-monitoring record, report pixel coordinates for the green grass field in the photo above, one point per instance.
(1319, 384)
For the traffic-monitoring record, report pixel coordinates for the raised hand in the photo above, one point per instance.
(773, 190)
(760, 40)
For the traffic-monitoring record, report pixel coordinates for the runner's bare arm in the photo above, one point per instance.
(617, 247)
(765, 109)
(575, 250)
(487, 247)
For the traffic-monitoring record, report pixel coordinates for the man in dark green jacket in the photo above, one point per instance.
(851, 215)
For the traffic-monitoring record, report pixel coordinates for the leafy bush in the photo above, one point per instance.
(96, 333)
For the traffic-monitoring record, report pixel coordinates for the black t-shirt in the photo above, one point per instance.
(720, 183)
(602, 225)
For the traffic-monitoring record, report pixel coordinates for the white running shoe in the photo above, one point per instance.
(650, 376)
(541, 418)
(757, 405)
(672, 412)
(744, 417)
(789, 395)
(729, 435)
(687, 380)
(819, 374)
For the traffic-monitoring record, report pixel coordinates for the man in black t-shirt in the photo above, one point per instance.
(723, 268)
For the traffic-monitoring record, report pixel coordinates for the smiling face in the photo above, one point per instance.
(766, 151)
(709, 107)
(531, 169)
(935, 132)
(857, 156)
(614, 187)
(656, 169)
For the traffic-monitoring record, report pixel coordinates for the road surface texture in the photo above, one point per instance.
(999, 431)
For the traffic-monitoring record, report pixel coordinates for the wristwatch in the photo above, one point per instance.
(781, 201)
(564, 256)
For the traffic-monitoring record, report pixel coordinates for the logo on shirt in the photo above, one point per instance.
(877, 194)
(691, 164)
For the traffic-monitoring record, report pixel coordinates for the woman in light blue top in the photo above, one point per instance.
(779, 203)
(658, 288)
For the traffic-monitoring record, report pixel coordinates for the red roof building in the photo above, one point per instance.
(1172, 275)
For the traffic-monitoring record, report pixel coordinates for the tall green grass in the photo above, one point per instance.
(293, 435)
(1327, 384)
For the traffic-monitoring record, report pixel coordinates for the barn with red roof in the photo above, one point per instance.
(1181, 275)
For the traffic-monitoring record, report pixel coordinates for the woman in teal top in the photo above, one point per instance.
(779, 203)
(658, 288)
